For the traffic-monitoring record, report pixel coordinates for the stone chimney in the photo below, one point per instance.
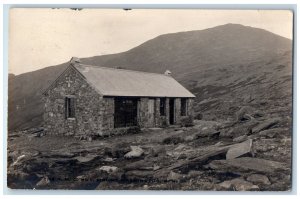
(74, 61)
(167, 72)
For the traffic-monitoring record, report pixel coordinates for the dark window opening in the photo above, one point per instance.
(70, 107)
(162, 106)
(171, 111)
(125, 112)
(183, 107)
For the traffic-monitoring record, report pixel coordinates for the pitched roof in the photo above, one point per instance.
(120, 82)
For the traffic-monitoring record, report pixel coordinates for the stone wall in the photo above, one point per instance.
(93, 113)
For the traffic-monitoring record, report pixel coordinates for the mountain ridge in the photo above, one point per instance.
(207, 60)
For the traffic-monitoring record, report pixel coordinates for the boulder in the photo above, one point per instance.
(241, 149)
(265, 125)
(158, 150)
(139, 165)
(259, 179)
(174, 177)
(240, 129)
(208, 133)
(117, 150)
(240, 138)
(135, 152)
(271, 133)
(173, 140)
(87, 158)
(189, 138)
(108, 169)
(243, 114)
(43, 182)
(238, 184)
(246, 164)
(139, 175)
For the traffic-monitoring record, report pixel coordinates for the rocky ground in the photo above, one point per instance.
(250, 153)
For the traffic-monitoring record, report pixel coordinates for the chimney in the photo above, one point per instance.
(167, 72)
(74, 61)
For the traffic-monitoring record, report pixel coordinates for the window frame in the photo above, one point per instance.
(70, 107)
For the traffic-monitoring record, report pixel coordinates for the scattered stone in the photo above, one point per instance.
(241, 149)
(271, 133)
(145, 187)
(108, 169)
(265, 125)
(219, 144)
(242, 114)
(238, 184)
(174, 177)
(158, 150)
(139, 175)
(240, 129)
(240, 138)
(19, 159)
(156, 167)
(259, 179)
(189, 138)
(173, 140)
(87, 158)
(108, 159)
(194, 174)
(135, 152)
(244, 164)
(43, 182)
(208, 134)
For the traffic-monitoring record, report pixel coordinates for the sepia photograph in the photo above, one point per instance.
(150, 99)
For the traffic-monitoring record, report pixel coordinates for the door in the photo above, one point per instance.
(172, 111)
(151, 111)
(125, 112)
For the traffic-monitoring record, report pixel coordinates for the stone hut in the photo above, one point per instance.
(91, 100)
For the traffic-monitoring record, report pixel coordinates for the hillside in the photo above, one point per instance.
(226, 67)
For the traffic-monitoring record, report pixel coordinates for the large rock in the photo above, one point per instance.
(87, 158)
(240, 138)
(135, 152)
(43, 182)
(239, 129)
(139, 165)
(158, 150)
(208, 133)
(238, 184)
(265, 125)
(259, 179)
(139, 175)
(241, 149)
(108, 169)
(246, 164)
(174, 177)
(173, 140)
(243, 114)
(271, 133)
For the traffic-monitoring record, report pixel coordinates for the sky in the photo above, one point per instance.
(41, 37)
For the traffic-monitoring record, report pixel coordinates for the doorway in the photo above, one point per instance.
(125, 112)
(172, 111)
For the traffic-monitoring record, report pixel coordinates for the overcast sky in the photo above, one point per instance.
(43, 37)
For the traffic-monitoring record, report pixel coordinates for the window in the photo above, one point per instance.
(70, 107)
(162, 106)
(183, 107)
